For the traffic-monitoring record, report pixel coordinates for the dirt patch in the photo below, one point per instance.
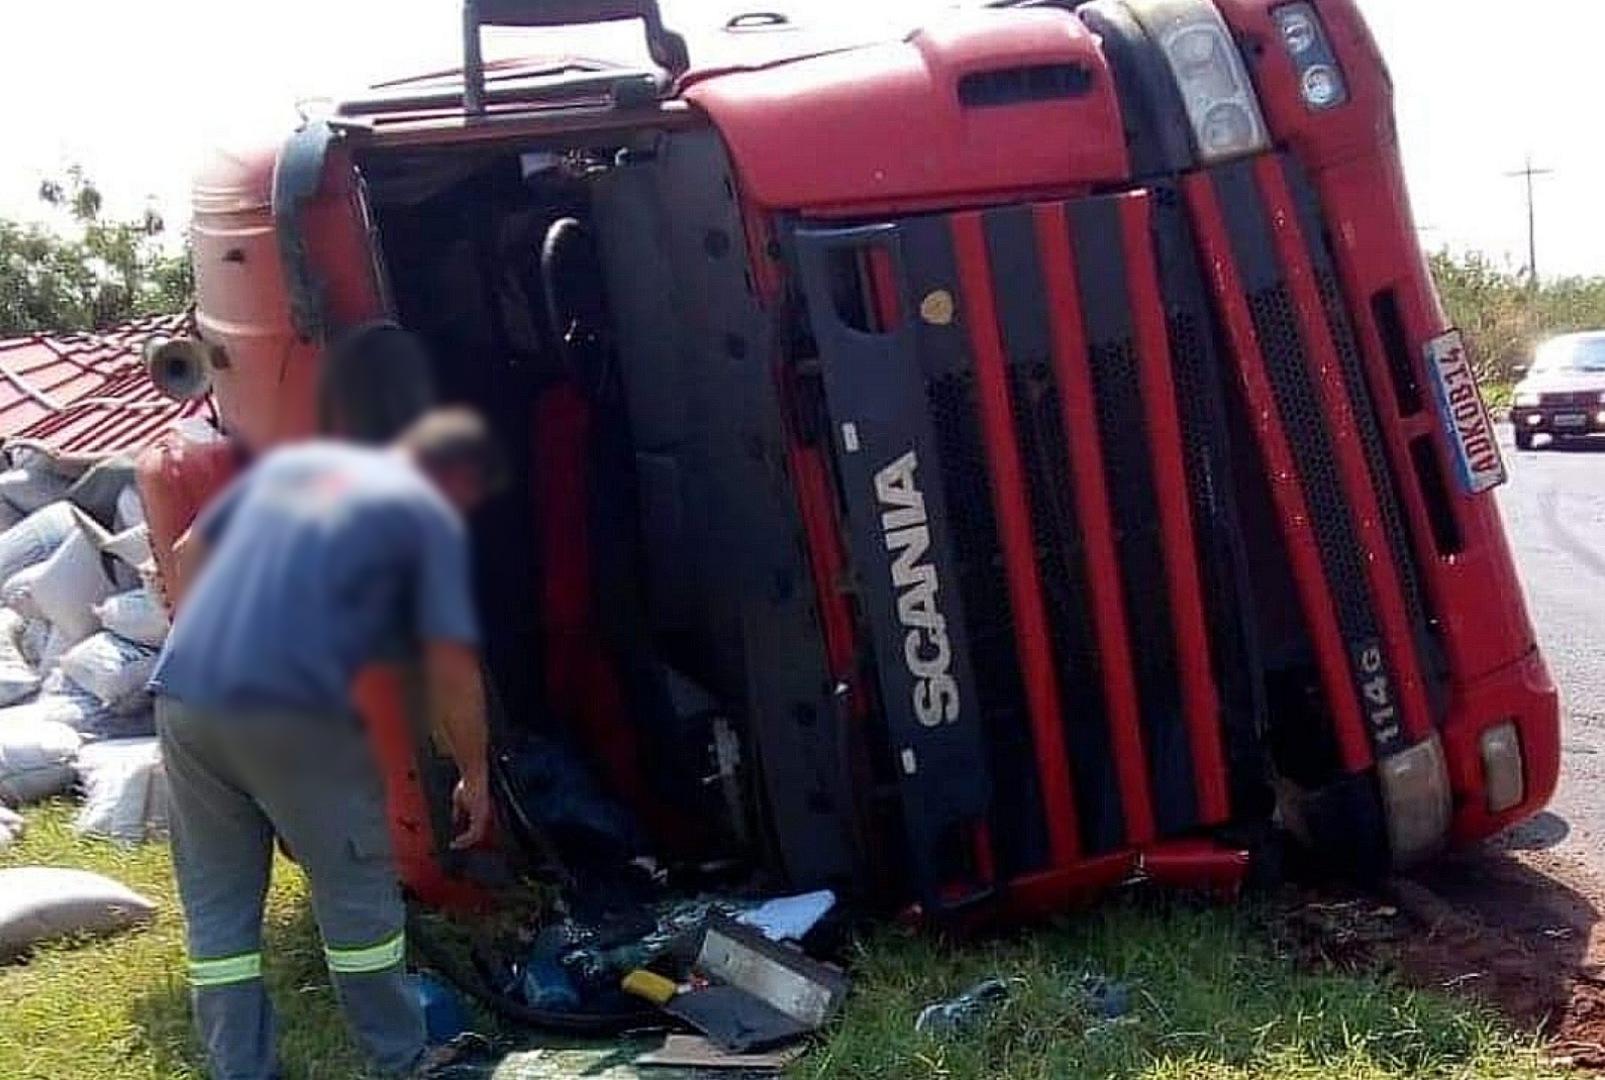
(1517, 930)
(1520, 930)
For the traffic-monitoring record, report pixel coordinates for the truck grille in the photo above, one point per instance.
(1058, 371)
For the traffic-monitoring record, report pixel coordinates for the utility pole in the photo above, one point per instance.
(1530, 174)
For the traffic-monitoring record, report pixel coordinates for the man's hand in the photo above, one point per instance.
(471, 811)
(457, 700)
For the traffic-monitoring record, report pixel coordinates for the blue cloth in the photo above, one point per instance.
(324, 557)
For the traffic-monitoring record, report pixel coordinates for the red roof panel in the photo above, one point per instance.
(88, 393)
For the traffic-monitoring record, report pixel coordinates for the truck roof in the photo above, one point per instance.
(606, 55)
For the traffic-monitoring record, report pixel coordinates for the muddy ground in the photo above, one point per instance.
(1517, 929)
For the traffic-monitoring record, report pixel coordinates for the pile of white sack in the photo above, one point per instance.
(80, 628)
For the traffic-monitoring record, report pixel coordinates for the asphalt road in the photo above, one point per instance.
(1554, 508)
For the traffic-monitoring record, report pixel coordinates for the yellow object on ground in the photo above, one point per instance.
(653, 987)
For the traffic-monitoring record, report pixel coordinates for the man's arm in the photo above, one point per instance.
(189, 555)
(191, 550)
(449, 629)
(457, 708)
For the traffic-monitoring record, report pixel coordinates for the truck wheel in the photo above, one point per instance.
(1524, 440)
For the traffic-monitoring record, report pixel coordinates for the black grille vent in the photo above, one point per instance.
(984, 588)
(1128, 466)
(1017, 86)
(1365, 414)
(1276, 325)
(1061, 564)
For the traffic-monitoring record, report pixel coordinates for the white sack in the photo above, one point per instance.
(73, 581)
(38, 903)
(17, 592)
(18, 680)
(11, 826)
(125, 791)
(56, 646)
(136, 616)
(32, 641)
(63, 701)
(130, 552)
(130, 509)
(33, 486)
(36, 538)
(109, 667)
(36, 757)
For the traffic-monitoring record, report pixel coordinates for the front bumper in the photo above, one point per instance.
(1562, 420)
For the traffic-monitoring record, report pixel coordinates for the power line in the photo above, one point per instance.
(1530, 174)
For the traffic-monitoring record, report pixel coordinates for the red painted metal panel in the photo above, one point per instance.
(1077, 404)
(1200, 699)
(1315, 597)
(885, 127)
(1014, 531)
(1381, 572)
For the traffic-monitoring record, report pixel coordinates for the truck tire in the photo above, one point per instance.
(1524, 440)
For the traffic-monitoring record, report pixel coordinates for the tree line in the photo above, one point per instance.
(1505, 316)
(86, 270)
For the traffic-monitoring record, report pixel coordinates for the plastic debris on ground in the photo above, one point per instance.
(445, 1016)
(1106, 999)
(789, 918)
(751, 993)
(963, 1011)
(697, 1052)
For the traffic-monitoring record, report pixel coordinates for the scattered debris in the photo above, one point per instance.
(758, 994)
(696, 1052)
(963, 1011)
(445, 1017)
(789, 918)
(1106, 999)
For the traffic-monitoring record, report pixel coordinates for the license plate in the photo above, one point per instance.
(1464, 414)
(1571, 420)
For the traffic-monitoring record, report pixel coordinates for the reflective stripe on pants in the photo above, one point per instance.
(225, 971)
(365, 961)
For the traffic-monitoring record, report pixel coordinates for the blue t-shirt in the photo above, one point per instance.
(324, 558)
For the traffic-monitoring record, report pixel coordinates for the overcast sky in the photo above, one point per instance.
(135, 89)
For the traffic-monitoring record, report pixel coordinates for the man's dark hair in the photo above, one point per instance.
(376, 380)
(457, 437)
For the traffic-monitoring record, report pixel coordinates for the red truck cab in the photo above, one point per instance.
(968, 466)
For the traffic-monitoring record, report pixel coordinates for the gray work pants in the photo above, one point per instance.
(236, 780)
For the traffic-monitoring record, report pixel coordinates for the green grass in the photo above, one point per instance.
(1212, 999)
(1498, 395)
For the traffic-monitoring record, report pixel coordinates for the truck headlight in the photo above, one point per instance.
(1503, 778)
(1416, 797)
(1320, 79)
(1209, 73)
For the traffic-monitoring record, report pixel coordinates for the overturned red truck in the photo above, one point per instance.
(964, 468)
